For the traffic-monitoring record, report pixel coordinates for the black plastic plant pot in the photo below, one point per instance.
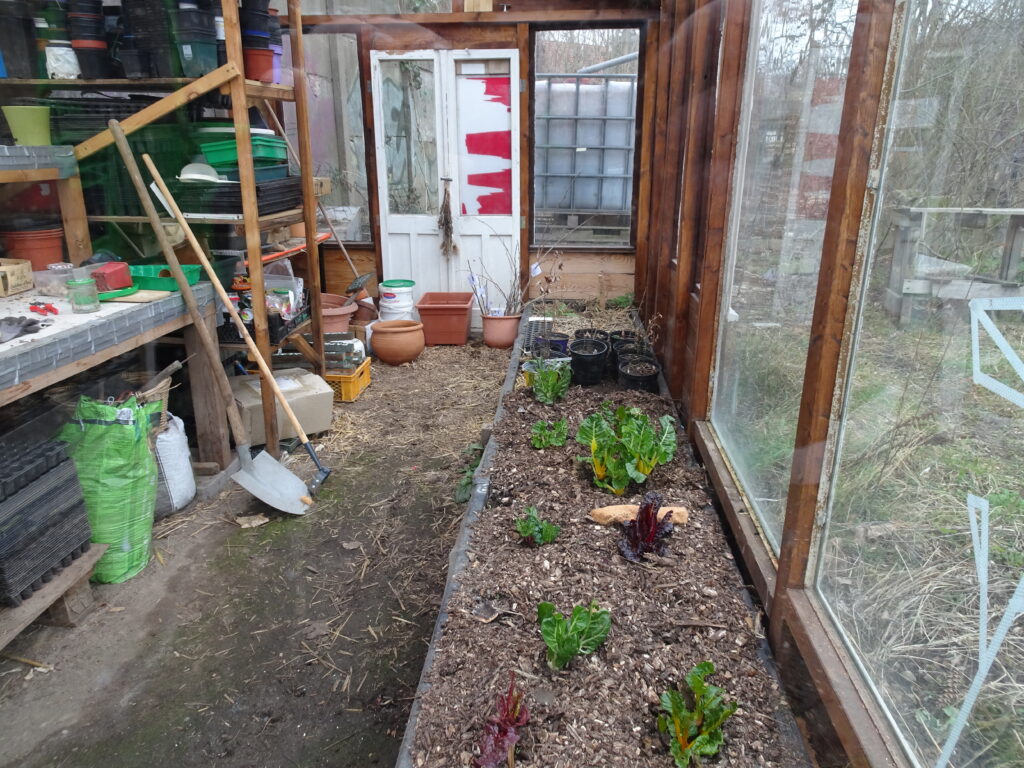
(638, 372)
(256, 5)
(547, 351)
(588, 359)
(554, 339)
(255, 21)
(94, 62)
(592, 333)
(257, 42)
(135, 63)
(86, 6)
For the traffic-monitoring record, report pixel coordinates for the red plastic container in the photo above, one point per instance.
(41, 246)
(259, 64)
(445, 317)
(112, 276)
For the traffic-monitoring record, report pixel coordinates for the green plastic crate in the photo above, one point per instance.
(158, 277)
(225, 153)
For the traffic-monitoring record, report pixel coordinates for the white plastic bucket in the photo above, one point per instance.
(396, 299)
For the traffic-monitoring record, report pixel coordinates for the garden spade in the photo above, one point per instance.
(262, 476)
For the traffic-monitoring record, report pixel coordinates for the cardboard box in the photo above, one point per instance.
(310, 397)
(15, 276)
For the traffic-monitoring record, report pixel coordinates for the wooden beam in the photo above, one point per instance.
(207, 400)
(75, 218)
(645, 136)
(318, 23)
(309, 199)
(29, 174)
(869, 60)
(524, 42)
(172, 101)
(364, 42)
(724, 143)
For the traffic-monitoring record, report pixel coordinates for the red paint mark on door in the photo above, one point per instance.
(499, 89)
(496, 203)
(492, 143)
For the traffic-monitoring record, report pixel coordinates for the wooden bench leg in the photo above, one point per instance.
(71, 607)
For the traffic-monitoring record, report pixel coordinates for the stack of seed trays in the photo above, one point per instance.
(43, 521)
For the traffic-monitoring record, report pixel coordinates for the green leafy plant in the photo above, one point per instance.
(582, 633)
(625, 301)
(625, 445)
(464, 490)
(546, 434)
(535, 531)
(695, 733)
(551, 381)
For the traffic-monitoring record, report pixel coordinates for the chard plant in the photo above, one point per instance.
(535, 531)
(551, 381)
(646, 534)
(625, 446)
(582, 633)
(546, 434)
(501, 732)
(695, 733)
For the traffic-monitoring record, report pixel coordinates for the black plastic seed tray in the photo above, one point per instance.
(37, 507)
(271, 196)
(37, 562)
(18, 467)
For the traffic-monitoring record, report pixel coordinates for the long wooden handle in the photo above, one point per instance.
(268, 110)
(268, 375)
(209, 345)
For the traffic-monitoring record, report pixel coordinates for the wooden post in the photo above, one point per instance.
(524, 41)
(364, 39)
(869, 58)
(250, 213)
(309, 199)
(645, 136)
(75, 217)
(207, 401)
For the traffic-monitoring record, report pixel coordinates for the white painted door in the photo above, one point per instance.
(454, 115)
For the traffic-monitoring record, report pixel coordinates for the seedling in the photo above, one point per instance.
(501, 732)
(582, 633)
(464, 490)
(535, 531)
(625, 446)
(551, 381)
(695, 733)
(645, 534)
(546, 434)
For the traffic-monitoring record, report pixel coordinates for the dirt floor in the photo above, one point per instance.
(667, 615)
(296, 643)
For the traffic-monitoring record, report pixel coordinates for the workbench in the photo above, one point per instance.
(76, 343)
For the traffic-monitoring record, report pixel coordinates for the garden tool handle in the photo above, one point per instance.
(210, 347)
(268, 375)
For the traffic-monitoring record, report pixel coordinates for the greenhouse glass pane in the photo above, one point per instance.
(927, 500)
(410, 135)
(798, 61)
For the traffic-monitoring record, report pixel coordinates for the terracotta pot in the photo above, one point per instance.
(397, 341)
(336, 316)
(500, 331)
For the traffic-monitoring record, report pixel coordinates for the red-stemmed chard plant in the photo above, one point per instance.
(646, 533)
(501, 732)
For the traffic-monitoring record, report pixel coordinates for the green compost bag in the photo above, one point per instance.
(118, 473)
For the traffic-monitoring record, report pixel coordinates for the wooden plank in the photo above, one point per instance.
(646, 293)
(14, 620)
(72, 607)
(861, 727)
(29, 175)
(164, 106)
(869, 58)
(207, 400)
(320, 23)
(309, 199)
(250, 213)
(581, 262)
(645, 137)
(408, 38)
(258, 91)
(76, 223)
(724, 143)
(43, 380)
(589, 286)
(364, 41)
(524, 42)
(106, 84)
(337, 273)
(757, 558)
(479, 5)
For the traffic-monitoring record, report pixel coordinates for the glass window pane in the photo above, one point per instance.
(484, 99)
(410, 136)
(584, 109)
(798, 61)
(933, 426)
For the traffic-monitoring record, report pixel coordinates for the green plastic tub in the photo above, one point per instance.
(158, 277)
(225, 153)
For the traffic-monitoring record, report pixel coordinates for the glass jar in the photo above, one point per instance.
(83, 295)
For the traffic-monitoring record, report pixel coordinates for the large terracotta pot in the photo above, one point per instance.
(500, 331)
(397, 341)
(335, 314)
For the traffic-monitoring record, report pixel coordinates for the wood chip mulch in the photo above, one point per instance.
(666, 616)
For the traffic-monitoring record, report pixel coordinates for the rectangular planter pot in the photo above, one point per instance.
(445, 317)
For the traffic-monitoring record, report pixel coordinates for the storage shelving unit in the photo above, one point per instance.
(228, 79)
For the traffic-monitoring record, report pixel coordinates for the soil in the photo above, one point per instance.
(298, 642)
(667, 615)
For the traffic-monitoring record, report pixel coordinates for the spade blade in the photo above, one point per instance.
(273, 484)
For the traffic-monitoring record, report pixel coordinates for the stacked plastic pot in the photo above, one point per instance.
(197, 40)
(146, 47)
(17, 49)
(89, 38)
(259, 58)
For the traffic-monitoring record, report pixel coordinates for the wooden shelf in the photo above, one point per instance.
(253, 88)
(270, 221)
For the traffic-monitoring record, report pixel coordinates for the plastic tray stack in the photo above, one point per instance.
(271, 196)
(43, 522)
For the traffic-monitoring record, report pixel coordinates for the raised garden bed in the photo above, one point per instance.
(667, 615)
